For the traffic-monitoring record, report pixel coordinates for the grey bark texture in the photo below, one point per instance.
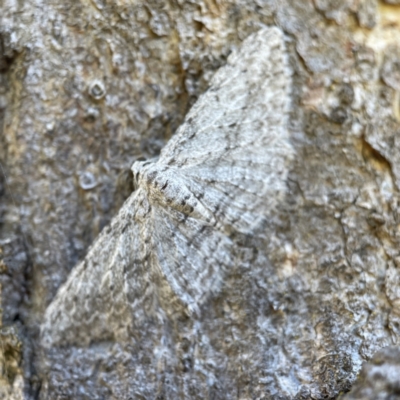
(88, 88)
(379, 378)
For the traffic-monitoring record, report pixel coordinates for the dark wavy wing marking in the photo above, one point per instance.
(233, 145)
(105, 288)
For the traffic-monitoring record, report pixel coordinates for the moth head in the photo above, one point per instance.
(139, 168)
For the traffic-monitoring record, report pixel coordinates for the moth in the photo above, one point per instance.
(220, 175)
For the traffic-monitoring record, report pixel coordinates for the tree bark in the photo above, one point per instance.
(89, 87)
(378, 378)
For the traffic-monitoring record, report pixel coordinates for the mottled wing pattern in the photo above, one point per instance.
(233, 151)
(233, 146)
(108, 286)
(191, 254)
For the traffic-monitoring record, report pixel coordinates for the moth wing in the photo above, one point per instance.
(102, 291)
(191, 254)
(234, 145)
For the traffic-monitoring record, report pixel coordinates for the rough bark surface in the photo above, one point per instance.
(379, 378)
(88, 87)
